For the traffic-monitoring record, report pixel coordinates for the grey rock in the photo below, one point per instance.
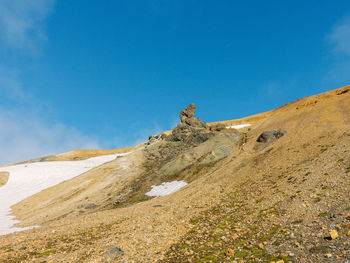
(90, 206)
(113, 252)
(268, 137)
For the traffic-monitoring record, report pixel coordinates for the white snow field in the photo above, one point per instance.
(238, 126)
(28, 179)
(166, 188)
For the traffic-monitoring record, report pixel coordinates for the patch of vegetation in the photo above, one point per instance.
(341, 160)
(317, 199)
(198, 169)
(348, 170)
(324, 149)
(260, 200)
(48, 252)
(324, 187)
(9, 250)
(324, 214)
(270, 234)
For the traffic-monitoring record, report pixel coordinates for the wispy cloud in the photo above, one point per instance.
(339, 41)
(10, 84)
(340, 38)
(25, 136)
(21, 22)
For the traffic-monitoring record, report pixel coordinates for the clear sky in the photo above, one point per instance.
(105, 74)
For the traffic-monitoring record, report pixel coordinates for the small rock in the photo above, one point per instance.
(334, 234)
(90, 206)
(114, 252)
(328, 255)
(234, 236)
(230, 252)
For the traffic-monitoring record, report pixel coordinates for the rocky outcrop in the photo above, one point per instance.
(188, 118)
(190, 130)
(268, 137)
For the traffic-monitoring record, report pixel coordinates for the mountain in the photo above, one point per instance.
(272, 187)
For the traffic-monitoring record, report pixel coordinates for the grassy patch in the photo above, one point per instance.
(341, 160)
(324, 149)
(260, 200)
(48, 252)
(325, 187)
(317, 199)
(324, 214)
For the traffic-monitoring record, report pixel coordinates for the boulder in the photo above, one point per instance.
(268, 137)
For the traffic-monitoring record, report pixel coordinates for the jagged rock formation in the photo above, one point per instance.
(191, 143)
(190, 130)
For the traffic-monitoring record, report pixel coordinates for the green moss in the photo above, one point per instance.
(270, 234)
(183, 246)
(259, 200)
(317, 199)
(241, 253)
(325, 187)
(194, 221)
(48, 252)
(257, 252)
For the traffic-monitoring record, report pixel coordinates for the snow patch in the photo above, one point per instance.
(166, 188)
(28, 179)
(238, 126)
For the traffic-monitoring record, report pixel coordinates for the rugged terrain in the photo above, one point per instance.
(276, 191)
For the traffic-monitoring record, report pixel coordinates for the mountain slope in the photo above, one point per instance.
(283, 198)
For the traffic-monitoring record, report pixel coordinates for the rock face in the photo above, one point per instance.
(188, 118)
(190, 129)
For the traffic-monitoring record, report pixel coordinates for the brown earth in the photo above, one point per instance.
(287, 201)
(4, 177)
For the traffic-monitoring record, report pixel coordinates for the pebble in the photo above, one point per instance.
(334, 234)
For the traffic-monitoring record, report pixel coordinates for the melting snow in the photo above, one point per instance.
(30, 178)
(166, 188)
(238, 126)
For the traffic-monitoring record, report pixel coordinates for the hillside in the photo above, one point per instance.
(274, 191)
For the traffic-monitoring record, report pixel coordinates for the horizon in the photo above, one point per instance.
(91, 75)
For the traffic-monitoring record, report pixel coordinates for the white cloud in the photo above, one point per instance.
(339, 40)
(21, 22)
(340, 37)
(25, 136)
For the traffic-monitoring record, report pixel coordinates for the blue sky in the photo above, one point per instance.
(106, 74)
